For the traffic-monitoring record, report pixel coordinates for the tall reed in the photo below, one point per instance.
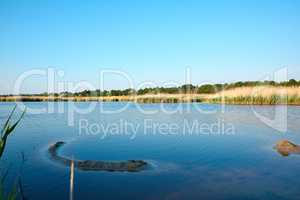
(262, 95)
(7, 129)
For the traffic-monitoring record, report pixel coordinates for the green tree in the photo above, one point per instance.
(207, 89)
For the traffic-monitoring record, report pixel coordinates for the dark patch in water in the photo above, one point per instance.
(285, 148)
(97, 165)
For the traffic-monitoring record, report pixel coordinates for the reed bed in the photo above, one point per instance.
(261, 95)
(149, 98)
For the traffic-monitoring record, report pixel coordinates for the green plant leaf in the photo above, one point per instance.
(7, 121)
(11, 128)
(13, 194)
(7, 129)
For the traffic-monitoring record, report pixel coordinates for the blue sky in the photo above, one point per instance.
(221, 41)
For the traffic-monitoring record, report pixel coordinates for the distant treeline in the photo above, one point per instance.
(184, 89)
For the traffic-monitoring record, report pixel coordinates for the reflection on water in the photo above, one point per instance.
(243, 165)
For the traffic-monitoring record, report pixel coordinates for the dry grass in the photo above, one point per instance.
(258, 95)
(149, 98)
(265, 91)
(242, 95)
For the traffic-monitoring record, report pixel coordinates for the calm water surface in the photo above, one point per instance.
(194, 165)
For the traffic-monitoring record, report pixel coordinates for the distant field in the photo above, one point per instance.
(260, 95)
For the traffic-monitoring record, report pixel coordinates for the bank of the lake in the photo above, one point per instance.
(261, 95)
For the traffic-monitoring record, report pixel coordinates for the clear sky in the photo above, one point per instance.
(221, 41)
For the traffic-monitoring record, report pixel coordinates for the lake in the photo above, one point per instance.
(193, 151)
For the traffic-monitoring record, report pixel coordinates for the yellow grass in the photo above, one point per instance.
(258, 95)
(242, 95)
(265, 91)
(136, 98)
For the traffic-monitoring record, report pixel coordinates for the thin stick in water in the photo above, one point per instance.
(72, 180)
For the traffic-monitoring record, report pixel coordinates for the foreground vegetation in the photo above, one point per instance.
(7, 129)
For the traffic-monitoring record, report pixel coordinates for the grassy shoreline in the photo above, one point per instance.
(157, 98)
(261, 95)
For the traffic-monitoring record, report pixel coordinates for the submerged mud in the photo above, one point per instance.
(96, 165)
(285, 148)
